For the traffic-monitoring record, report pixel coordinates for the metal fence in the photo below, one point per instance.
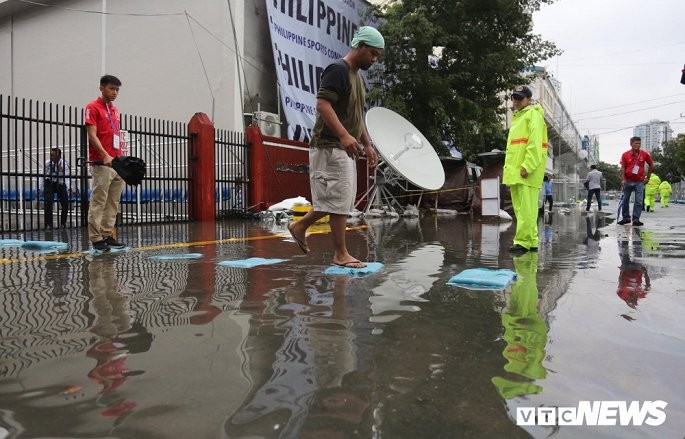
(29, 129)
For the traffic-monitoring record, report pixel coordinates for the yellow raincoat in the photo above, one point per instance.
(526, 148)
(665, 192)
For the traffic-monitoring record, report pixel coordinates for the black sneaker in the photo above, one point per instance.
(638, 223)
(533, 249)
(101, 246)
(623, 222)
(114, 243)
(516, 248)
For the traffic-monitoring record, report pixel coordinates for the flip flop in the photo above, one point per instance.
(300, 243)
(348, 263)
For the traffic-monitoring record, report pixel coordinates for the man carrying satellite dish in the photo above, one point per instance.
(524, 166)
(337, 138)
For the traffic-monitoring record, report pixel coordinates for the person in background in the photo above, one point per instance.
(633, 180)
(102, 125)
(651, 188)
(665, 192)
(56, 171)
(548, 192)
(524, 166)
(339, 138)
(594, 187)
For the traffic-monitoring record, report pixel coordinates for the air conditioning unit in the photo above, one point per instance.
(269, 123)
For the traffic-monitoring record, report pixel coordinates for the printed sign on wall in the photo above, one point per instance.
(307, 35)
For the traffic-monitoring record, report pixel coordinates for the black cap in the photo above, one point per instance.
(522, 91)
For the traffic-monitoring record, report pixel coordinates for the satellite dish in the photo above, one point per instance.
(404, 149)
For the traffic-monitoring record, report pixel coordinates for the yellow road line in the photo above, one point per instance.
(163, 246)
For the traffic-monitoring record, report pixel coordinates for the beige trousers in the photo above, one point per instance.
(107, 187)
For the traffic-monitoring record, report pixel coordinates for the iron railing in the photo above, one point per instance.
(29, 129)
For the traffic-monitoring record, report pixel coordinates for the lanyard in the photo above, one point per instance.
(109, 116)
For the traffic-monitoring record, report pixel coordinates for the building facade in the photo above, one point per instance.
(653, 134)
(175, 58)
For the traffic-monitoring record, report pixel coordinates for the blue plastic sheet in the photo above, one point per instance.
(249, 263)
(174, 257)
(483, 279)
(11, 242)
(45, 246)
(371, 267)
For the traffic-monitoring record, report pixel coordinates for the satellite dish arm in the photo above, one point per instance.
(330, 118)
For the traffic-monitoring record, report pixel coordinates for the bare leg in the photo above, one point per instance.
(298, 229)
(342, 256)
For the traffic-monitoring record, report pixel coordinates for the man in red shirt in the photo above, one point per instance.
(102, 125)
(633, 179)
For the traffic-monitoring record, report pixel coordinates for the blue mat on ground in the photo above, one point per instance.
(174, 257)
(11, 242)
(92, 251)
(249, 263)
(482, 279)
(45, 246)
(371, 267)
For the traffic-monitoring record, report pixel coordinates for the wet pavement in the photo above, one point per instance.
(122, 345)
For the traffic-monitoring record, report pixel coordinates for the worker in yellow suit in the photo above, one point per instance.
(665, 192)
(651, 188)
(524, 166)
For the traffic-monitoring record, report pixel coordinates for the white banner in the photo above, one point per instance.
(307, 35)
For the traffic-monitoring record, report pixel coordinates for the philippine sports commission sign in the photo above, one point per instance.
(306, 36)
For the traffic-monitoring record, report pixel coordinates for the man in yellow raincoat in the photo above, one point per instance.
(665, 192)
(524, 166)
(650, 192)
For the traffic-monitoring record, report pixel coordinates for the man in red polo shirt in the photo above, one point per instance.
(633, 179)
(102, 124)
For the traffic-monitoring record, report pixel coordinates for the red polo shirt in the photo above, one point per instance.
(629, 160)
(107, 120)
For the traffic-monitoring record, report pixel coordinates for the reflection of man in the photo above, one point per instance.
(111, 350)
(311, 360)
(631, 277)
(525, 333)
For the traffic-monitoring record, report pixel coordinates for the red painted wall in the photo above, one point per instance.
(279, 169)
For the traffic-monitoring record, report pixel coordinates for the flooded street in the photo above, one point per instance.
(124, 345)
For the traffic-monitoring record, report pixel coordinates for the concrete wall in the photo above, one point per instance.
(55, 54)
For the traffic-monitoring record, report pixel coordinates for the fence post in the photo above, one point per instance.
(201, 160)
(257, 167)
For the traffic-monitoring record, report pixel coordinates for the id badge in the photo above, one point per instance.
(636, 169)
(116, 145)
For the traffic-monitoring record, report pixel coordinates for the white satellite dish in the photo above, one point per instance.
(404, 149)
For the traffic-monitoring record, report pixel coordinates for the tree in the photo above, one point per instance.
(448, 65)
(611, 174)
(669, 160)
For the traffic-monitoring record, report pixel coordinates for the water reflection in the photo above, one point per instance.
(314, 350)
(525, 333)
(633, 278)
(117, 338)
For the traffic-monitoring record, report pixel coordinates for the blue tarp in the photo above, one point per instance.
(371, 267)
(249, 263)
(483, 279)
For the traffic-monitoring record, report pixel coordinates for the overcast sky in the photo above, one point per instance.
(621, 65)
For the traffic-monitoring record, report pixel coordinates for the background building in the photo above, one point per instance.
(653, 133)
(174, 57)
